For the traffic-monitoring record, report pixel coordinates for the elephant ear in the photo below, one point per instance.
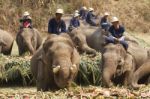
(75, 57)
(48, 43)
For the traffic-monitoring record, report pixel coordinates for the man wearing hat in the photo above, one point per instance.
(26, 21)
(90, 17)
(75, 21)
(56, 25)
(83, 12)
(116, 33)
(104, 21)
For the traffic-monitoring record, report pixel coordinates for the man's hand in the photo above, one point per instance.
(116, 40)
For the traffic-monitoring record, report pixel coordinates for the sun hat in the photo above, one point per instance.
(106, 13)
(76, 15)
(114, 19)
(26, 13)
(60, 11)
(91, 9)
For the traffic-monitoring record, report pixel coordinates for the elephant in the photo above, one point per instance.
(79, 38)
(131, 63)
(56, 64)
(6, 42)
(28, 40)
(139, 73)
(116, 62)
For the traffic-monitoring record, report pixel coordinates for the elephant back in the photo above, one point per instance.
(6, 39)
(140, 54)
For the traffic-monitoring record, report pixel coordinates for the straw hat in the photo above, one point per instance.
(60, 11)
(115, 19)
(91, 9)
(106, 13)
(26, 13)
(76, 15)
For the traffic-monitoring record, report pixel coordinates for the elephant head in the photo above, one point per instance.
(62, 58)
(113, 58)
(80, 42)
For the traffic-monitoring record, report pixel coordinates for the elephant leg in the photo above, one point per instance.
(139, 73)
(128, 68)
(0, 49)
(107, 75)
(41, 81)
(19, 41)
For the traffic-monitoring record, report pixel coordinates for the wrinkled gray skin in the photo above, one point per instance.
(114, 57)
(132, 62)
(141, 63)
(139, 73)
(6, 42)
(28, 40)
(79, 38)
(56, 64)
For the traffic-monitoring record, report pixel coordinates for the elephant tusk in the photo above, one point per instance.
(71, 68)
(56, 69)
(74, 66)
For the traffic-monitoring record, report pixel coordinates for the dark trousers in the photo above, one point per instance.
(110, 39)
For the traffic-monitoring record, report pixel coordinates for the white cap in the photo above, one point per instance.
(91, 9)
(114, 19)
(26, 13)
(84, 8)
(76, 15)
(106, 13)
(76, 11)
(60, 11)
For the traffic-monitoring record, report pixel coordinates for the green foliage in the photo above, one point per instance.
(89, 71)
(15, 69)
(18, 69)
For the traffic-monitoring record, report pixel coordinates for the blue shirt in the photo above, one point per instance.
(117, 32)
(103, 20)
(56, 27)
(89, 17)
(83, 13)
(74, 22)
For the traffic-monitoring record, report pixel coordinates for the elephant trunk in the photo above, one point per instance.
(64, 73)
(109, 69)
(30, 46)
(88, 50)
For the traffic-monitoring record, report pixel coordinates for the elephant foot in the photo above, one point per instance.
(138, 86)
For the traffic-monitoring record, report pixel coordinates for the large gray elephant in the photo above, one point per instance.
(139, 73)
(116, 62)
(56, 63)
(141, 63)
(28, 40)
(79, 38)
(131, 63)
(6, 42)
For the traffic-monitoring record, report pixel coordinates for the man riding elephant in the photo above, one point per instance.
(104, 21)
(26, 21)
(90, 18)
(56, 63)
(56, 25)
(83, 13)
(116, 33)
(28, 38)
